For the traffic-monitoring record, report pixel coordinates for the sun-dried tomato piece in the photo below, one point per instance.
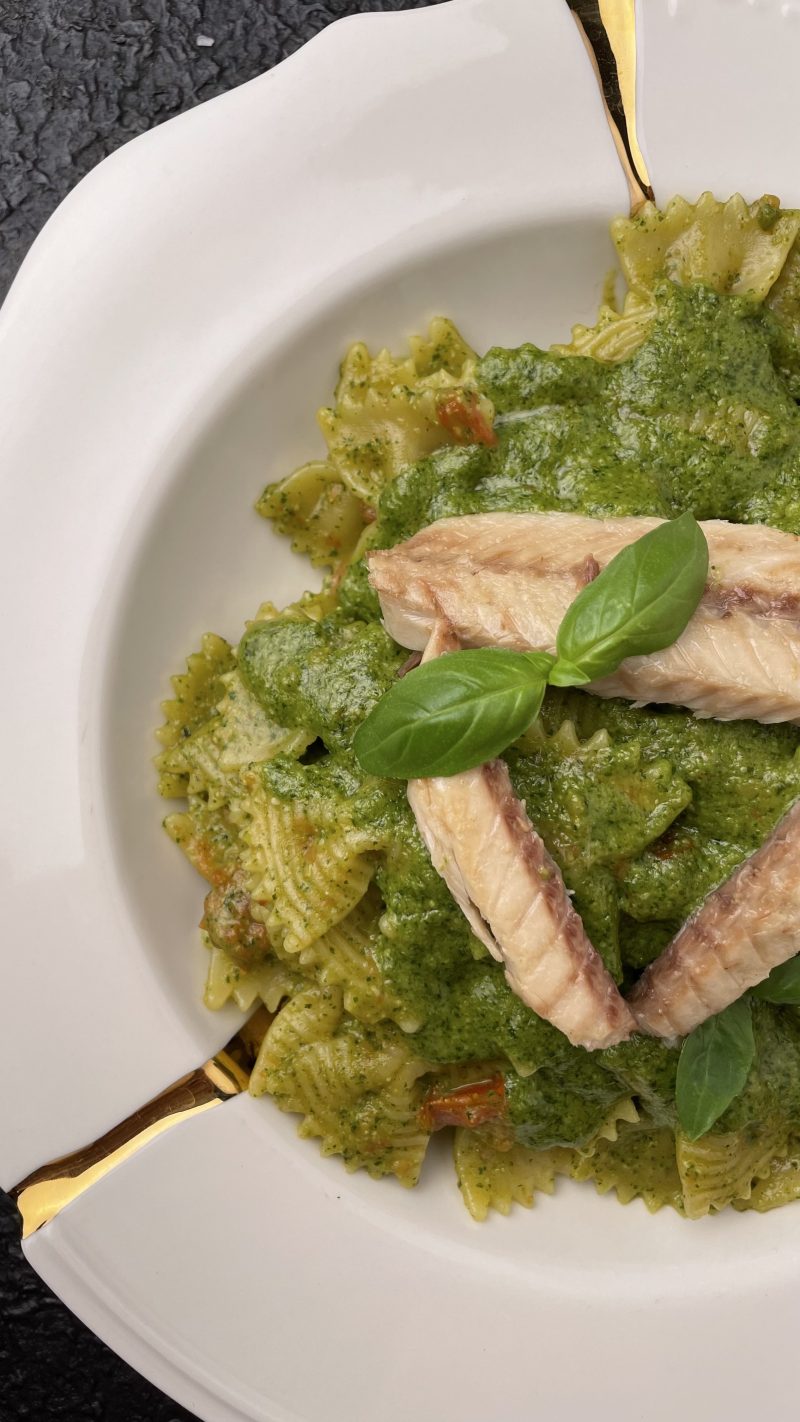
(475, 1104)
(461, 415)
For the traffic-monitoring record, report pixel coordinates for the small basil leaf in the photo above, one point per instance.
(640, 602)
(713, 1067)
(782, 986)
(451, 714)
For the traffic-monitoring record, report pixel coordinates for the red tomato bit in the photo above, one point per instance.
(475, 1104)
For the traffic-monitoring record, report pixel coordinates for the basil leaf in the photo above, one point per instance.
(453, 713)
(782, 986)
(640, 602)
(713, 1067)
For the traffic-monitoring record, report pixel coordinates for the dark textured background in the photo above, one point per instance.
(77, 79)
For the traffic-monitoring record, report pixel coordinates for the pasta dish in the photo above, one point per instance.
(499, 825)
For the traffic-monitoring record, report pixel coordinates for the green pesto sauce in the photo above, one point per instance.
(325, 676)
(644, 819)
(772, 1092)
(598, 809)
(699, 418)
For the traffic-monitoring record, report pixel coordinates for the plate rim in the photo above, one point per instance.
(171, 1375)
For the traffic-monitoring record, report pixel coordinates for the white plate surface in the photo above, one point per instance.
(161, 355)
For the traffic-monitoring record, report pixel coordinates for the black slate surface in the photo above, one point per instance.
(77, 79)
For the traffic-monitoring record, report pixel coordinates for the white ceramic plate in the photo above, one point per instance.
(161, 355)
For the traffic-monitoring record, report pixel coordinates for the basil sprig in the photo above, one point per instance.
(466, 707)
(713, 1067)
(782, 986)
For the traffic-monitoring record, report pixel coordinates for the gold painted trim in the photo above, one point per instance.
(608, 29)
(43, 1194)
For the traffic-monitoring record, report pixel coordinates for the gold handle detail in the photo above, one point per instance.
(42, 1195)
(608, 29)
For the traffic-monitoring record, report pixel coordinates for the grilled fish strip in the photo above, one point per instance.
(743, 930)
(506, 580)
(511, 892)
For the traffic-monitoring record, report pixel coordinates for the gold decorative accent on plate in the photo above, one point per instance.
(608, 29)
(43, 1194)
